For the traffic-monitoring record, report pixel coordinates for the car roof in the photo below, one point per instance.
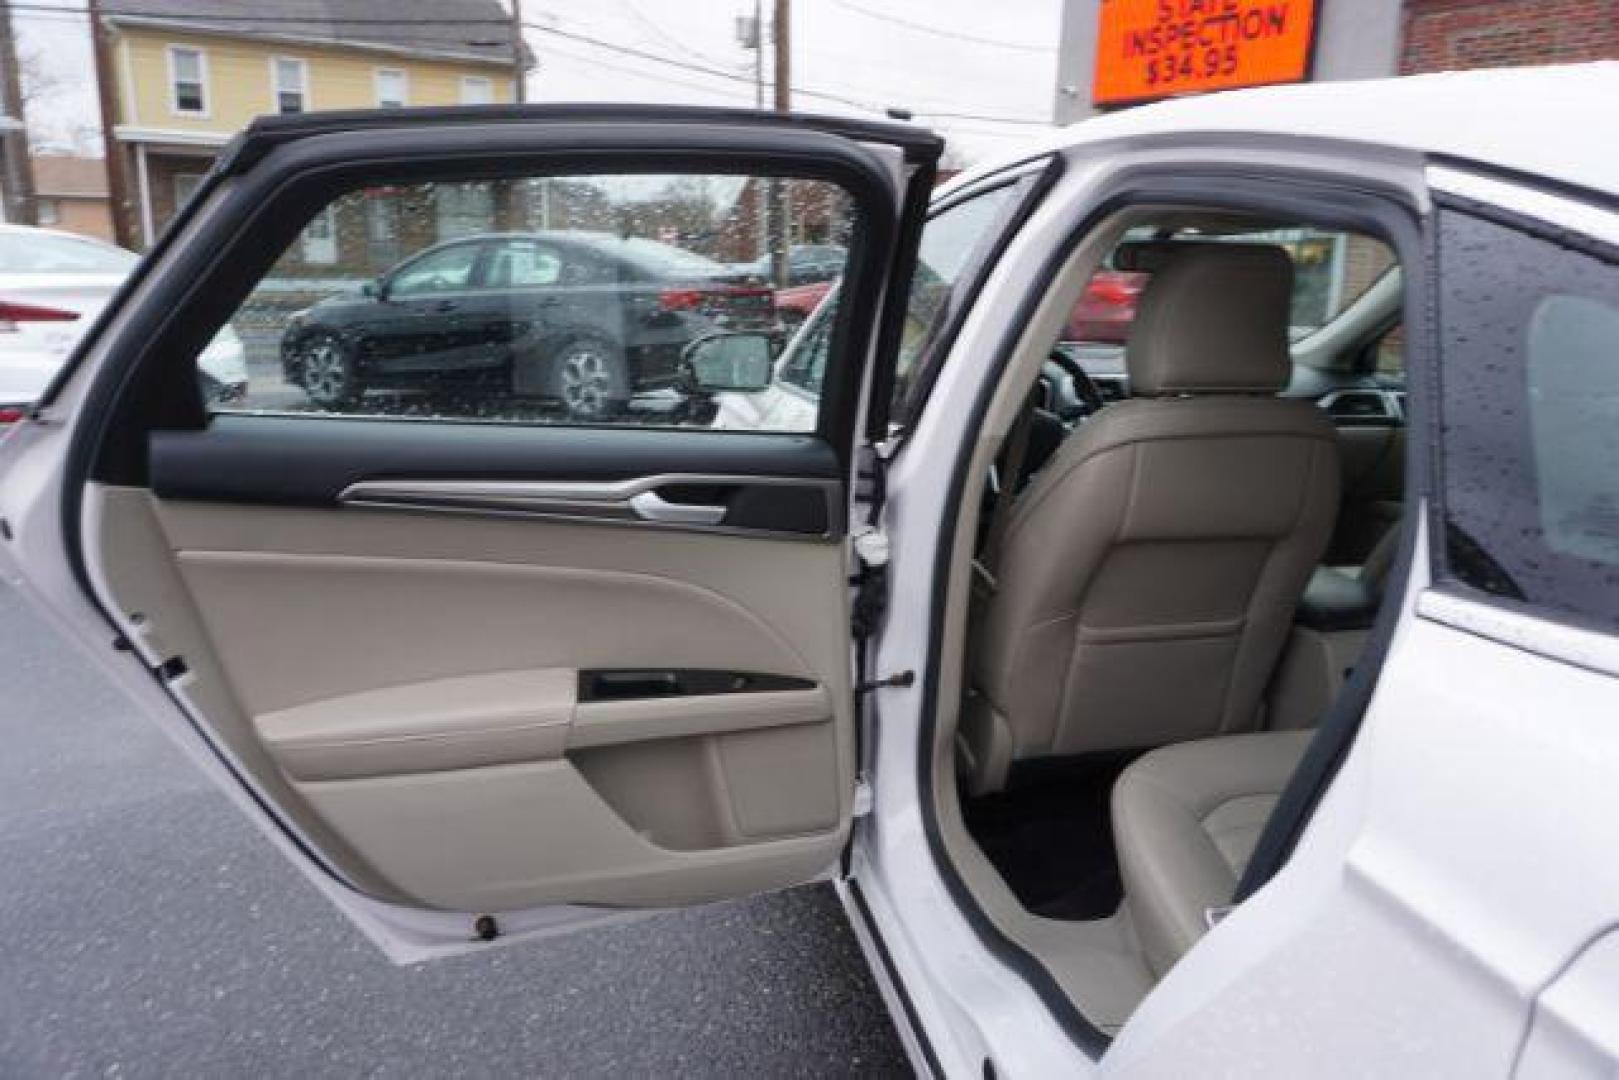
(1552, 122)
(34, 230)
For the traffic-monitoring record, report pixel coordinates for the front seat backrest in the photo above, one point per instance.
(1146, 580)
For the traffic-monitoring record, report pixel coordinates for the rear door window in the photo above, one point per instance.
(541, 299)
(1530, 404)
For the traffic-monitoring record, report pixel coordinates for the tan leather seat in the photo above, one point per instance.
(1186, 819)
(1146, 579)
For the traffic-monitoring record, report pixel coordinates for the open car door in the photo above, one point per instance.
(460, 594)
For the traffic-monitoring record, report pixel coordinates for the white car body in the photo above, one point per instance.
(32, 352)
(1450, 908)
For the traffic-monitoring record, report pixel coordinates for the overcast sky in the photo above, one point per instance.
(967, 57)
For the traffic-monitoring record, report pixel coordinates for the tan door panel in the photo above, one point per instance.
(406, 684)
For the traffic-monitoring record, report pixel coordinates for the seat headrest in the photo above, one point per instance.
(1212, 320)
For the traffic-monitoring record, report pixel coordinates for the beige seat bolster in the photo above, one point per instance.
(1186, 819)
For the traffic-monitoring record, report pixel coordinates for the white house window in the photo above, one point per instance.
(49, 211)
(476, 90)
(290, 77)
(393, 88)
(188, 80)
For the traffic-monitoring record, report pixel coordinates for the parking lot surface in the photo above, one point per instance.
(147, 929)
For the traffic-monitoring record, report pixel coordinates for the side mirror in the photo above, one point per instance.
(374, 289)
(735, 363)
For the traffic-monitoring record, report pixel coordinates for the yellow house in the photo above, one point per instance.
(190, 73)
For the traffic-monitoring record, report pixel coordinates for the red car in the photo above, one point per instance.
(1104, 313)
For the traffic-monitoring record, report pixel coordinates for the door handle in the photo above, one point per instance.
(650, 506)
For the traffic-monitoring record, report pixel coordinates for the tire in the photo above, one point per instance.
(590, 377)
(326, 371)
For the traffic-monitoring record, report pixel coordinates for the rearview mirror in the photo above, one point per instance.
(373, 289)
(734, 363)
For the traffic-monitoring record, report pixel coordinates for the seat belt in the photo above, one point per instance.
(1017, 453)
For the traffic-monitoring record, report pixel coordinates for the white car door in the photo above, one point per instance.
(479, 667)
(1447, 909)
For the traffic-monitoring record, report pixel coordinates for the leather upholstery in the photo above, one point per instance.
(1213, 320)
(1186, 820)
(1146, 579)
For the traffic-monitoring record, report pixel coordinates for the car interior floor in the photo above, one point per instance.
(1049, 835)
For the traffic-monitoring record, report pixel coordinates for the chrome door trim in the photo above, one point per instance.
(634, 501)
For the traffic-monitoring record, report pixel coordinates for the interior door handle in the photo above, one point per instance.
(650, 506)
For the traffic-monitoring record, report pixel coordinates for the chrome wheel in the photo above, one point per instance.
(326, 375)
(588, 377)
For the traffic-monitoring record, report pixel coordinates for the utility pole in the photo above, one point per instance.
(780, 234)
(19, 172)
(117, 179)
(519, 73)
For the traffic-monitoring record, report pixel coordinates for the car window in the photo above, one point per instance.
(955, 244)
(805, 365)
(557, 299)
(441, 271)
(522, 264)
(1529, 394)
(1331, 270)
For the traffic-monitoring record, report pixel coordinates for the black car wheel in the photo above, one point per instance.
(590, 378)
(326, 370)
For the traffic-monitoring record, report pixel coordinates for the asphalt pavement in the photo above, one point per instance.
(147, 929)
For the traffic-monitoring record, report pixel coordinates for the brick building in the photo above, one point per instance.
(1449, 35)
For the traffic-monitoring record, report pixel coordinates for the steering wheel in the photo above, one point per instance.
(1084, 388)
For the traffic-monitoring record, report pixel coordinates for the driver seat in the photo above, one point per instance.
(1145, 581)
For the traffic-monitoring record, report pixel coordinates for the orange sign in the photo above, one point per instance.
(1148, 49)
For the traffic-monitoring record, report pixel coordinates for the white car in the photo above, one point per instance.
(1261, 720)
(53, 285)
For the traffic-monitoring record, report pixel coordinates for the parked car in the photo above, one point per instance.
(583, 318)
(1262, 726)
(806, 263)
(1104, 312)
(52, 286)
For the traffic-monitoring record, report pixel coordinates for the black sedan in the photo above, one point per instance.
(587, 319)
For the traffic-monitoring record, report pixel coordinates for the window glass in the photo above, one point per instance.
(477, 90)
(523, 264)
(1530, 408)
(391, 89)
(289, 85)
(1331, 270)
(565, 299)
(441, 271)
(805, 366)
(185, 186)
(186, 69)
(954, 241)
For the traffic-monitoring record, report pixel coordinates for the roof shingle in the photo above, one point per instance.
(473, 29)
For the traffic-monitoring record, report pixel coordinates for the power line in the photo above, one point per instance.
(923, 28)
(721, 73)
(568, 35)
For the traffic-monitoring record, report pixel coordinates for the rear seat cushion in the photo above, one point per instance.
(1186, 819)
